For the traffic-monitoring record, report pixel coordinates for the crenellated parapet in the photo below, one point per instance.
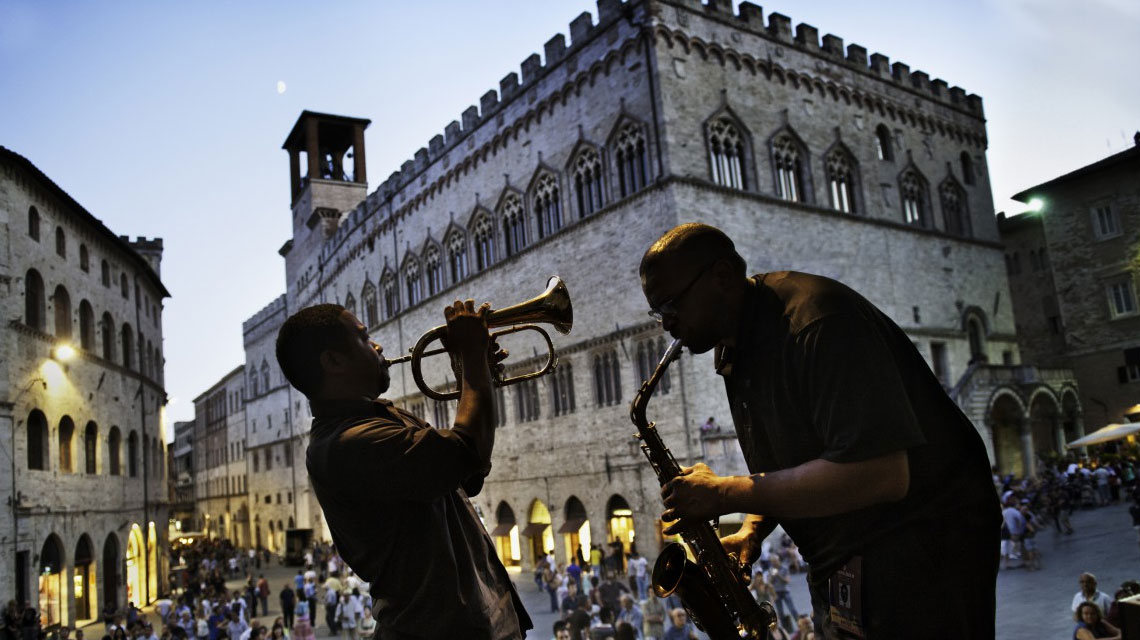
(805, 37)
(274, 308)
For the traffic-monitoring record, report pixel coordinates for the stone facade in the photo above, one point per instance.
(220, 478)
(279, 489)
(1088, 235)
(812, 156)
(83, 431)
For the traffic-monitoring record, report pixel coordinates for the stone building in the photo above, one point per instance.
(81, 405)
(811, 155)
(279, 488)
(180, 478)
(1074, 267)
(220, 479)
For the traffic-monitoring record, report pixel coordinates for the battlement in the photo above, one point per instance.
(806, 37)
(266, 312)
(532, 68)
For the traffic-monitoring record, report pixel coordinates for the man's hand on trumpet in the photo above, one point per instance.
(468, 339)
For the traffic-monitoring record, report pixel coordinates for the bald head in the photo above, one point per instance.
(696, 244)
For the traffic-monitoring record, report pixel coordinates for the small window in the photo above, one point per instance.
(940, 362)
(788, 159)
(631, 158)
(60, 243)
(105, 273)
(1105, 223)
(526, 401)
(84, 259)
(967, 168)
(1121, 298)
(547, 205)
(884, 143)
(483, 233)
(841, 180)
(588, 192)
(123, 286)
(726, 154)
(433, 269)
(413, 281)
(1130, 373)
(514, 224)
(457, 255)
(34, 224)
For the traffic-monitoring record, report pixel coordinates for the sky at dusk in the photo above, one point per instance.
(165, 119)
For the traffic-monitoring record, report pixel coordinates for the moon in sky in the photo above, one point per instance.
(280, 87)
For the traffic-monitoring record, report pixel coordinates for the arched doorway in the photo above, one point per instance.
(1044, 424)
(1006, 420)
(135, 560)
(506, 535)
(974, 319)
(538, 530)
(272, 535)
(1071, 423)
(52, 584)
(151, 563)
(619, 518)
(111, 571)
(575, 529)
(83, 580)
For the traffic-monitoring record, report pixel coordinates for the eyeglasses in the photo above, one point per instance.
(669, 307)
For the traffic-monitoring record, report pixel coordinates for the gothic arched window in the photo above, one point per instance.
(368, 301)
(547, 205)
(954, 212)
(967, 168)
(562, 389)
(884, 143)
(350, 304)
(632, 160)
(726, 153)
(841, 180)
(649, 353)
(457, 255)
(483, 234)
(912, 194)
(128, 341)
(433, 269)
(413, 282)
(33, 224)
(391, 293)
(61, 300)
(34, 308)
(514, 224)
(115, 449)
(788, 159)
(587, 168)
(37, 441)
(86, 326)
(607, 378)
(90, 447)
(107, 328)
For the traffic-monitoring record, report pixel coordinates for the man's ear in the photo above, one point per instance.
(332, 361)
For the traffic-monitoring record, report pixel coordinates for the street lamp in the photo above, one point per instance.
(62, 352)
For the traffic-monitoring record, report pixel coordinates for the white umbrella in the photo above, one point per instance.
(1106, 434)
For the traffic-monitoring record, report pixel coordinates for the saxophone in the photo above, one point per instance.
(714, 589)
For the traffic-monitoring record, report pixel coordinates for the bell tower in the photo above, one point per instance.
(326, 178)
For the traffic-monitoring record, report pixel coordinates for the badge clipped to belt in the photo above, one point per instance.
(845, 597)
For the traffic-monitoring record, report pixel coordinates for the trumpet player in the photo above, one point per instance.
(395, 491)
(852, 443)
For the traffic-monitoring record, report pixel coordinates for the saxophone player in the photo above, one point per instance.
(853, 445)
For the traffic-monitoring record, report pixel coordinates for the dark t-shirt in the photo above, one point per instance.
(393, 491)
(819, 372)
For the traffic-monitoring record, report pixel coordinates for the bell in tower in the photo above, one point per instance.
(326, 178)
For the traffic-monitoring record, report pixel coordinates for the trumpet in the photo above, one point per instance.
(552, 307)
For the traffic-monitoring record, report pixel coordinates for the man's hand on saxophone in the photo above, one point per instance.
(697, 494)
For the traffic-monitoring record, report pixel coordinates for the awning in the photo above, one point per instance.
(502, 529)
(534, 529)
(1106, 434)
(572, 525)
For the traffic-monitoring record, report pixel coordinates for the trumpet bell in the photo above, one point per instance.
(552, 307)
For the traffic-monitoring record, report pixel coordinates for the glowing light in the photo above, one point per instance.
(1036, 204)
(280, 87)
(63, 352)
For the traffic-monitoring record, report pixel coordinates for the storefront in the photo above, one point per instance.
(538, 530)
(575, 529)
(83, 580)
(51, 584)
(135, 566)
(620, 518)
(506, 536)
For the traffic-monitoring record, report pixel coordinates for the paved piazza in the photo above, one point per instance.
(1031, 605)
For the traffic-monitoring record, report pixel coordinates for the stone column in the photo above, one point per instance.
(1028, 461)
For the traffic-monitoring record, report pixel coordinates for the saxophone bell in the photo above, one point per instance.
(675, 573)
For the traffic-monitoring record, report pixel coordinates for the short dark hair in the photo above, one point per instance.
(302, 339)
(700, 243)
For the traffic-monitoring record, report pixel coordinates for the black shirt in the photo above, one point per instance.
(818, 372)
(394, 493)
